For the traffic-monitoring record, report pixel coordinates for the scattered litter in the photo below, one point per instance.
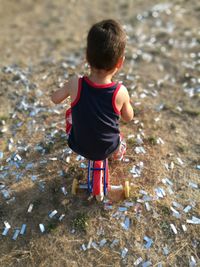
(160, 141)
(1, 155)
(184, 227)
(165, 251)
(61, 217)
(180, 161)
(53, 213)
(63, 189)
(139, 150)
(187, 209)
(6, 229)
(16, 233)
(42, 228)
(124, 252)
(89, 243)
(160, 192)
(83, 246)
(173, 228)
(149, 242)
(138, 261)
(194, 220)
(23, 229)
(102, 242)
(137, 169)
(30, 208)
(114, 243)
(193, 185)
(192, 262)
(122, 209)
(146, 264)
(126, 224)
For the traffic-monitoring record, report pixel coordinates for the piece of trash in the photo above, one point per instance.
(159, 141)
(1, 155)
(89, 243)
(53, 213)
(126, 223)
(148, 208)
(177, 205)
(63, 189)
(83, 165)
(165, 251)
(192, 262)
(16, 233)
(53, 159)
(187, 209)
(173, 228)
(114, 243)
(180, 161)
(137, 169)
(194, 220)
(138, 261)
(23, 229)
(184, 227)
(193, 185)
(122, 209)
(128, 204)
(160, 192)
(146, 264)
(149, 242)
(61, 217)
(6, 193)
(198, 167)
(175, 211)
(139, 150)
(42, 228)
(108, 207)
(167, 181)
(34, 177)
(30, 208)
(95, 246)
(83, 246)
(6, 229)
(102, 242)
(124, 252)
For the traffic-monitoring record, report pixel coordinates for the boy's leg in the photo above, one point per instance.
(119, 153)
(68, 119)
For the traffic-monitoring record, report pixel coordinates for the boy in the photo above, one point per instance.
(96, 101)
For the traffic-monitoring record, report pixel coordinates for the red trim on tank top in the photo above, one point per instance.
(114, 99)
(96, 85)
(78, 93)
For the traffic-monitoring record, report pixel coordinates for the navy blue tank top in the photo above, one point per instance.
(95, 120)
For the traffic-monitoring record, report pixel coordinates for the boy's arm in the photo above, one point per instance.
(61, 94)
(126, 110)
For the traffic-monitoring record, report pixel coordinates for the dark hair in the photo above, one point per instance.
(106, 42)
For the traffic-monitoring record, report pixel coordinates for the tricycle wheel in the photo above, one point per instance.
(127, 189)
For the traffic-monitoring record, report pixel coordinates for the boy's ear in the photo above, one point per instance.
(120, 62)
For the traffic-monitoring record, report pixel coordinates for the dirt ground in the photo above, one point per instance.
(42, 43)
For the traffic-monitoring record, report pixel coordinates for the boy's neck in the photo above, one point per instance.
(101, 76)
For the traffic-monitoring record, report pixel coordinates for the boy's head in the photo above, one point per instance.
(106, 42)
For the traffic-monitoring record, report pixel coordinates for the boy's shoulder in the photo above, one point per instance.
(122, 90)
(122, 94)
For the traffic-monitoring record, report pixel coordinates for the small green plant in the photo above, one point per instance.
(80, 222)
(152, 140)
(131, 141)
